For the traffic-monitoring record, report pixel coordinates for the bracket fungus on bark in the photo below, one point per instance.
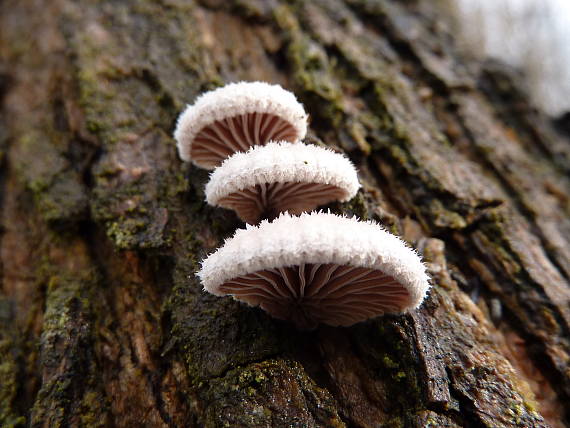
(235, 117)
(280, 176)
(317, 268)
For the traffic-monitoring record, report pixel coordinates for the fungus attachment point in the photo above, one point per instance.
(281, 176)
(235, 117)
(317, 268)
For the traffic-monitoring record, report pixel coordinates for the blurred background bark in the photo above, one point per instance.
(102, 322)
(532, 35)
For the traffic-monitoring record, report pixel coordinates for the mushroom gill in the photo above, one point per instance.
(278, 177)
(309, 294)
(235, 117)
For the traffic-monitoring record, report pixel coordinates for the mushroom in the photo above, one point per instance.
(280, 176)
(233, 118)
(317, 268)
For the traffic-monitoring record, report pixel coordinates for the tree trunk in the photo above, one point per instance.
(102, 321)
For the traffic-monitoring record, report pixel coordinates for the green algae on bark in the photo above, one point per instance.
(69, 392)
(272, 393)
(10, 369)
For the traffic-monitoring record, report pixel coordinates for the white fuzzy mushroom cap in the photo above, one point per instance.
(283, 162)
(233, 100)
(316, 238)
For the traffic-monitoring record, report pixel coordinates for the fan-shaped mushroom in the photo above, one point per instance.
(281, 176)
(317, 268)
(235, 117)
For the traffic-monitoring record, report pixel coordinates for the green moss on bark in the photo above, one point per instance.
(385, 347)
(217, 334)
(138, 179)
(312, 72)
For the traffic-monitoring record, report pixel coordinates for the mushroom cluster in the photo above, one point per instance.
(308, 268)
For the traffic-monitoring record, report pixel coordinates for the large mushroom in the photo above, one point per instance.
(280, 176)
(235, 117)
(317, 268)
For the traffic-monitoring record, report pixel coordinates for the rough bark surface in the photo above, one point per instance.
(102, 321)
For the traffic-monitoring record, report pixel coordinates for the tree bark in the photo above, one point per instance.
(102, 321)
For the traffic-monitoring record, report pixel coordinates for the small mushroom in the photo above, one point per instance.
(280, 176)
(235, 117)
(317, 268)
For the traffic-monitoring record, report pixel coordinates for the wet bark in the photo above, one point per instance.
(102, 321)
